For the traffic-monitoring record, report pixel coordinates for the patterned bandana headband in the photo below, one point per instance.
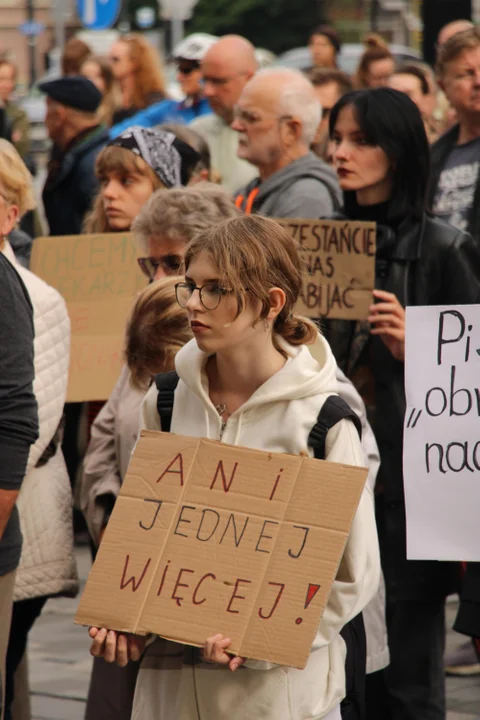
(170, 158)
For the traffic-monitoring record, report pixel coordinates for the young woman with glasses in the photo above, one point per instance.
(249, 379)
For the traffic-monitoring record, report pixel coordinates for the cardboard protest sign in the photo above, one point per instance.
(98, 276)
(340, 267)
(441, 456)
(209, 538)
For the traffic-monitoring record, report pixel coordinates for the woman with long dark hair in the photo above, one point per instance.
(381, 154)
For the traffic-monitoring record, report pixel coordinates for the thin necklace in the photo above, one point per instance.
(221, 408)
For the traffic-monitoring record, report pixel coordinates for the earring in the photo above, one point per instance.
(266, 326)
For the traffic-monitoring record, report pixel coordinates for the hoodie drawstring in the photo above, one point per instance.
(239, 429)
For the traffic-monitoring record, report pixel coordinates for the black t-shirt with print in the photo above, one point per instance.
(456, 187)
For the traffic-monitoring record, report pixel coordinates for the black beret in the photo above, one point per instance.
(74, 92)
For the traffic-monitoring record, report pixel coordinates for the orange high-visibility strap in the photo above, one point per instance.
(240, 199)
(251, 200)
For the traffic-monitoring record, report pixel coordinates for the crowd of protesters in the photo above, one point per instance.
(199, 182)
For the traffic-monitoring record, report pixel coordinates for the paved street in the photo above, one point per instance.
(60, 664)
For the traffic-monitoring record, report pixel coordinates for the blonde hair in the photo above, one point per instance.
(375, 49)
(180, 213)
(15, 180)
(149, 77)
(458, 43)
(254, 254)
(114, 159)
(157, 329)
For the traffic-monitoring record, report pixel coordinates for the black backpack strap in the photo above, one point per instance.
(352, 706)
(332, 411)
(166, 384)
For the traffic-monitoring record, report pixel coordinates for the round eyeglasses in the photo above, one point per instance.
(210, 294)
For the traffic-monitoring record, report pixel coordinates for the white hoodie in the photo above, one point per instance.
(278, 417)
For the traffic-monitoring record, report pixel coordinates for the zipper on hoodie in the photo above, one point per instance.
(222, 429)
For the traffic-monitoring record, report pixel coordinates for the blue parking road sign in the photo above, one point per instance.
(98, 14)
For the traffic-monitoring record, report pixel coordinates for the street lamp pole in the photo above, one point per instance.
(374, 15)
(176, 11)
(59, 15)
(32, 45)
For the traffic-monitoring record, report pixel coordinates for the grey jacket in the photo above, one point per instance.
(113, 436)
(306, 188)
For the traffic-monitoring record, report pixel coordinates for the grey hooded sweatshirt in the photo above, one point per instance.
(307, 188)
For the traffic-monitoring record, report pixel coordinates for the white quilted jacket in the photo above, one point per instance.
(47, 565)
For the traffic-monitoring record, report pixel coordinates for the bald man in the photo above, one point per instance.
(226, 68)
(451, 29)
(277, 118)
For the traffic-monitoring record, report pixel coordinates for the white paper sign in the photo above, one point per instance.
(441, 456)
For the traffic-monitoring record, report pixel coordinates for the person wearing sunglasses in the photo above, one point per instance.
(164, 227)
(188, 57)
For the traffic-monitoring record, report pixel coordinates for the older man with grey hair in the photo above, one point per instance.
(277, 116)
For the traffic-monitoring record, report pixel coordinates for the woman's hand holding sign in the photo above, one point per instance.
(387, 318)
(214, 652)
(120, 648)
(115, 647)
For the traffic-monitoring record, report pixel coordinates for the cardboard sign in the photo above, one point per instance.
(209, 538)
(98, 276)
(340, 267)
(441, 458)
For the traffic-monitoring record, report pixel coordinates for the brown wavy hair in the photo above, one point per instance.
(75, 52)
(122, 161)
(257, 253)
(375, 49)
(157, 329)
(111, 96)
(149, 75)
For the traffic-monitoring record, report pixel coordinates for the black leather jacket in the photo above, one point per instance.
(426, 263)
